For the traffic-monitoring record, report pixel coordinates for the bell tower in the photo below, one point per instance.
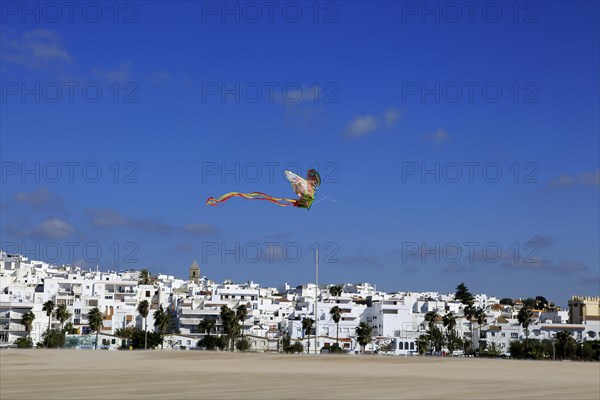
(194, 272)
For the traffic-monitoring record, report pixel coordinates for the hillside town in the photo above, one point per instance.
(38, 298)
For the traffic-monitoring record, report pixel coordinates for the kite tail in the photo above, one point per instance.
(211, 201)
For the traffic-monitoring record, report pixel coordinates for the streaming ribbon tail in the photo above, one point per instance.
(283, 202)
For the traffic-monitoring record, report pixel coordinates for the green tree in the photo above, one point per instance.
(222, 342)
(140, 338)
(423, 343)
(207, 325)
(231, 327)
(335, 290)
(363, 335)
(145, 277)
(463, 295)
(52, 338)
(506, 301)
(210, 342)
(126, 332)
(144, 308)
(469, 313)
(296, 348)
(27, 321)
(48, 307)
(449, 321)
(566, 344)
(431, 317)
(529, 302)
(24, 343)
(243, 344)
(453, 341)
(479, 317)
(336, 315)
(162, 322)
(95, 317)
(525, 317)
(63, 314)
(307, 326)
(436, 337)
(70, 329)
(541, 303)
(241, 314)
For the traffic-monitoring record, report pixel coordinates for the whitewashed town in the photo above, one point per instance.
(109, 310)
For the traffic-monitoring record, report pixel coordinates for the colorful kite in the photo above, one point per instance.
(304, 188)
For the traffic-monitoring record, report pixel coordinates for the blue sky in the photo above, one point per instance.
(128, 119)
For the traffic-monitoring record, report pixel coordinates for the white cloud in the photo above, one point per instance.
(438, 138)
(364, 124)
(39, 198)
(581, 179)
(391, 115)
(120, 73)
(52, 228)
(34, 49)
(361, 125)
(161, 76)
(49, 229)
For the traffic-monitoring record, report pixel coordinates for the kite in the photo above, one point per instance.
(306, 190)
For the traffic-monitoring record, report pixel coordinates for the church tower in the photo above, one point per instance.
(195, 272)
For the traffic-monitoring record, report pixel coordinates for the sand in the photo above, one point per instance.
(88, 374)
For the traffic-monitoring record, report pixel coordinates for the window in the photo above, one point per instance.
(513, 336)
(78, 311)
(412, 345)
(147, 293)
(113, 341)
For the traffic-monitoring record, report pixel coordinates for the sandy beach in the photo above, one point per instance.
(85, 374)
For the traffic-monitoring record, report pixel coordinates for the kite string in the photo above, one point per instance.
(381, 217)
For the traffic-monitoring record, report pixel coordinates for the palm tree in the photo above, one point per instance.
(48, 307)
(479, 317)
(453, 341)
(241, 314)
(162, 321)
(449, 321)
(564, 338)
(145, 278)
(335, 290)
(94, 317)
(143, 308)
(525, 317)
(231, 326)
(336, 315)
(125, 333)
(436, 337)
(63, 314)
(363, 333)
(207, 325)
(431, 317)
(422, 343)
(70, 329)
(307, 325)
(27, 321)
(469, 312)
